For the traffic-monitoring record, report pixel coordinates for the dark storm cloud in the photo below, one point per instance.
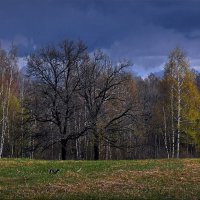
(141, 30)
(182, 16)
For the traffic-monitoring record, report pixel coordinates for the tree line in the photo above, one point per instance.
(73, 104)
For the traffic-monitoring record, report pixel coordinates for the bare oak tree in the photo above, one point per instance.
(54, 75)
(100, 80)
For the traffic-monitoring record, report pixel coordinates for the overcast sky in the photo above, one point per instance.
(143, 31)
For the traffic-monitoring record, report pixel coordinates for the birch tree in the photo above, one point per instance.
(8, 92)
(175, 80)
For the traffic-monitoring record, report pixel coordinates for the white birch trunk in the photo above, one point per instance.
(8, 102)
(3, 113)
(172, 121)
(165, 133)
(3, 132)
(22, 119)
(5, 94)
(178, 116)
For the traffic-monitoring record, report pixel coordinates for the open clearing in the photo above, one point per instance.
(142, 179)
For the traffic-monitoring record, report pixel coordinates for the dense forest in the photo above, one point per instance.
(70, 103)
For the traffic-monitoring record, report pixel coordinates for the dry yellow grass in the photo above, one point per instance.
(149, 179)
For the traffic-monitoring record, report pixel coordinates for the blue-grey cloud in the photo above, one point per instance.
(143, 31)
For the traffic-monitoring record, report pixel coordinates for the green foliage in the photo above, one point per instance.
(191, 111)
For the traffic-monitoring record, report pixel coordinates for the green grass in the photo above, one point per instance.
(142, 179)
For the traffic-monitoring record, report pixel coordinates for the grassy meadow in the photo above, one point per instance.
(141, 179)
